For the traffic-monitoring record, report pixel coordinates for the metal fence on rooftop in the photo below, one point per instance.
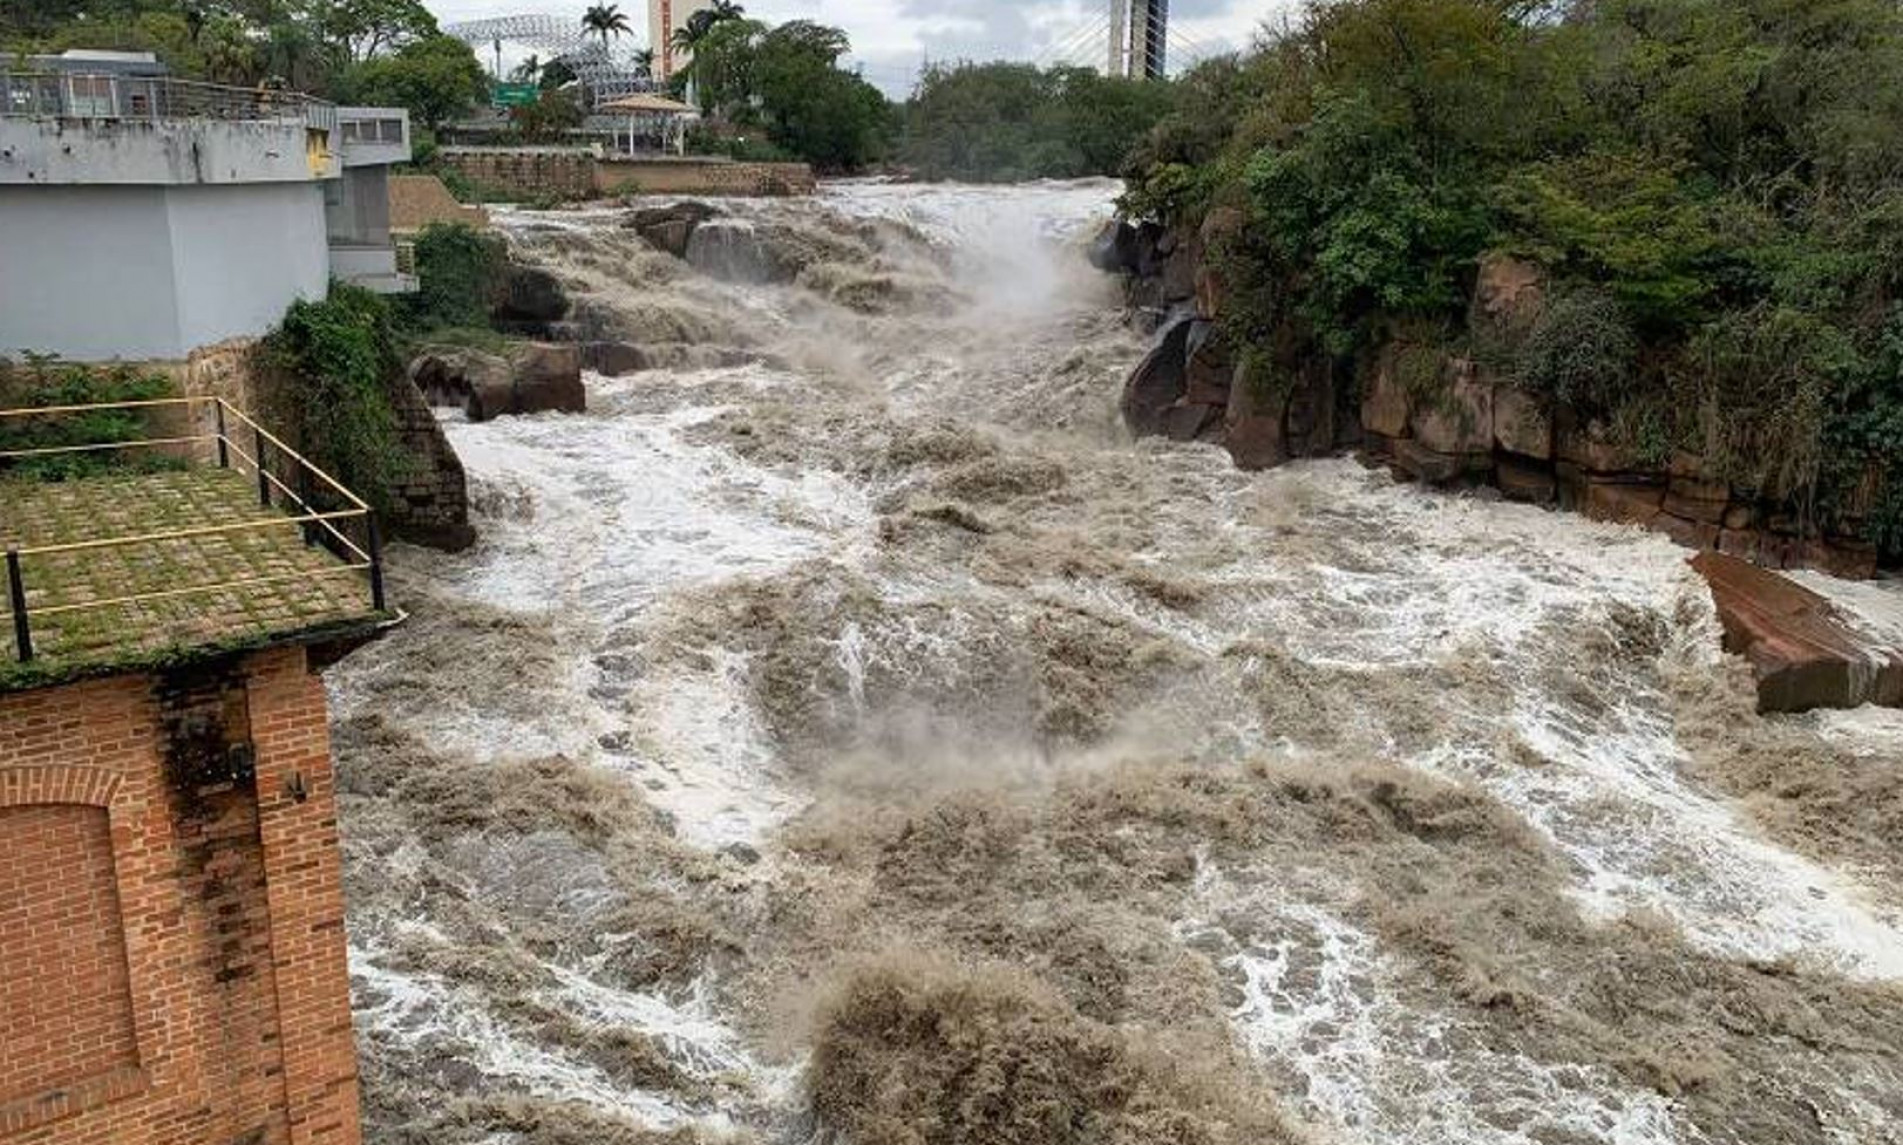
(56, 95)
(212, 430)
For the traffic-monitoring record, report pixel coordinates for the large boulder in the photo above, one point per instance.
(614, 359)
(1221, 227)
(1459, 418)
(734, 250)
(530, 295)
(1521, 423)
(1211, 365)
(548, 379)
(1114, 249)
(541, 377)
(1509, 292)
(1384, 400)
(1252, 424)
(1158, 382)
(671, 228)
(452, 376)
(1802, 652)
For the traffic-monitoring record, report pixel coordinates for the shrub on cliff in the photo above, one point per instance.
(459, 269)
(1715, 188)
(340, 356)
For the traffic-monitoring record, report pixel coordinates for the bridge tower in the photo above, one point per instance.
(1139, 38)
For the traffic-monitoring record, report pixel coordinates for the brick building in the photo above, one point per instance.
(172, 960)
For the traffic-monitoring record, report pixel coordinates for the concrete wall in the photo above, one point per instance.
(88, 273)
(97, 273)
(66, 152)
(172, 909)
(242, 255)
(357, 206)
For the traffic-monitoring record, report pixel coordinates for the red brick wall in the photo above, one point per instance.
(65, 1005)
(228, 900)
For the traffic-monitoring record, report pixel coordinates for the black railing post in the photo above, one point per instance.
(224, 451)
(304, 494)
(16, 593)
(376, 562)
(264, 476)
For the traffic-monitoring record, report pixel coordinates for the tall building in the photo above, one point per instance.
(665, 17)
(1139, 38)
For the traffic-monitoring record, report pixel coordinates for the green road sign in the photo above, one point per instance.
(515, 94)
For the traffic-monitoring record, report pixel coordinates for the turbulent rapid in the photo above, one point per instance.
(844, 733)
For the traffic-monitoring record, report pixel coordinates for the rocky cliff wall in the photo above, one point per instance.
(1430, 414)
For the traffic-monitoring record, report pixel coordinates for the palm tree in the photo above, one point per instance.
(605, 20)
(644, 62)
(528, 71)
(689, 36)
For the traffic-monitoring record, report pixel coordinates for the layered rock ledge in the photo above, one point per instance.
(1803, 652)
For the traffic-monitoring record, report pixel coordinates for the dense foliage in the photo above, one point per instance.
(459, 271)
(785, 83)
(1003, 121)
(387, 52)
(46, 383)
(340, 356)
(1715, 186)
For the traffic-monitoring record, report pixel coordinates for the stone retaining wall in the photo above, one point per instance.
(571, 173)
(416, 201)
(702, 177)
(526, 172)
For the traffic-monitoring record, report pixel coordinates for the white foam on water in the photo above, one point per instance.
(456, 1025)
(1317, 1001)
(597, 523)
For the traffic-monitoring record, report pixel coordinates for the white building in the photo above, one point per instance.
(144, 217)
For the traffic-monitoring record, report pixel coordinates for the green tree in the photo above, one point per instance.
(364, 29)
(548, 119)
(1004, 121)
(437, 78)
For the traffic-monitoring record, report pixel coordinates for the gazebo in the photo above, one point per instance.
(670, 114)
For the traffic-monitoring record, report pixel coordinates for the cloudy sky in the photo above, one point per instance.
(891, 38)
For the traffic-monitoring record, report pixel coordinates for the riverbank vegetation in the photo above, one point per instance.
(1713, 187)
(1004, 122)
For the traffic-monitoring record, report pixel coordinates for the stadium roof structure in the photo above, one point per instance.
(606, 73)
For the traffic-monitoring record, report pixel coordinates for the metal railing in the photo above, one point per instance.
(230, 432)
(59, 95)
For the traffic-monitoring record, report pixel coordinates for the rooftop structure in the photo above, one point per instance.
(187, 547)
(192, 213)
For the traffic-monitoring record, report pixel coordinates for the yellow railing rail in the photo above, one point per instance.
(268, 451)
